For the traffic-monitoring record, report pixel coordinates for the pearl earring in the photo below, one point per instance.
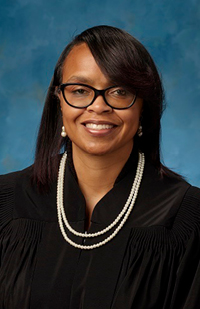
(63, 133)
(139, 132)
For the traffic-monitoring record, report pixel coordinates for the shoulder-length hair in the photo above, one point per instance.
(125, 61)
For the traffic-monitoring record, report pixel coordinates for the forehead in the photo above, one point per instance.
(79, 58)
(80, 66)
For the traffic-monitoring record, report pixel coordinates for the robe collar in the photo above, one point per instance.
(108, 208)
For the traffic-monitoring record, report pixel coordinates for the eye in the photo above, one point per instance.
(119, 92)
(78, 90)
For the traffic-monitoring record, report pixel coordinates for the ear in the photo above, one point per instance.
(58, 92)
(58, 95)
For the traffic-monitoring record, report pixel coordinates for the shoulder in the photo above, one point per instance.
(192, 195)
(188, 214)
(11, 177)
(179, 203)
(20, 198)
(9, 181)
(8, 184)
(160, 198)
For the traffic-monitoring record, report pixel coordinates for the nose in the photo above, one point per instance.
(99, 106)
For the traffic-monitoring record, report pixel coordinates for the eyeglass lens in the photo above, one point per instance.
(81, 96)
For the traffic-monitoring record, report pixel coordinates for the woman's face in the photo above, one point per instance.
(97, 129)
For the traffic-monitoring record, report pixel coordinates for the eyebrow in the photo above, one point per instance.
(81, 79)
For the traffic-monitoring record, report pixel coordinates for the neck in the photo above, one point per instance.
(97, 174)
(99, 171)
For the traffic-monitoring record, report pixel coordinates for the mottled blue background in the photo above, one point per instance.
(33, 34)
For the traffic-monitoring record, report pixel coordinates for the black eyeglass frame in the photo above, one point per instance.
(97, 93)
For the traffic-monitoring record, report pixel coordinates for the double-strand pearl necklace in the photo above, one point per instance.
(124, 213)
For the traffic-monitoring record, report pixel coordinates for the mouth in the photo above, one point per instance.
(96, 126)
(99, 127)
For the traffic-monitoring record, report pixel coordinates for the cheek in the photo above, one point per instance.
(131, 119)
(134, 118)
(133, 124)
(69, 115)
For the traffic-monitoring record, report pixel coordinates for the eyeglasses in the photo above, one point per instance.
(81, 95)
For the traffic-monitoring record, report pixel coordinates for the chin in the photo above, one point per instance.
(97, 152)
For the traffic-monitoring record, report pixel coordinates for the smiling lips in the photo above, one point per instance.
(99, 128)
(96, 126)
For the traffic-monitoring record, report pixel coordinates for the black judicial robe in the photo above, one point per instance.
(153, 262)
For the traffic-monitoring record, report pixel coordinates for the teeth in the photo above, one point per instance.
(98, 126)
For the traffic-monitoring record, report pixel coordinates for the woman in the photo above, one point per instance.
(125, 231)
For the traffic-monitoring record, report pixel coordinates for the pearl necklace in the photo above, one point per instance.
(125, 211)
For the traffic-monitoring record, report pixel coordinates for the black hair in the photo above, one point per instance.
(125, 61)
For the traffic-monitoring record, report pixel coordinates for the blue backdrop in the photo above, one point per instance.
(33, 34)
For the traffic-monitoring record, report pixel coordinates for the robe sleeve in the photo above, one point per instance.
(6, 199)
(19, 242)
(186, 294)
